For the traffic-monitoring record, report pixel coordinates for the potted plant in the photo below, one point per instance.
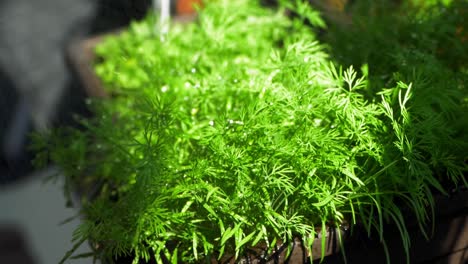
(237, 138)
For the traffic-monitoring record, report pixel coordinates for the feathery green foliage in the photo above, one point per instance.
(239, 129)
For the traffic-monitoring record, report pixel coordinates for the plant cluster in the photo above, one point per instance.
(239, 129)
(425, 43)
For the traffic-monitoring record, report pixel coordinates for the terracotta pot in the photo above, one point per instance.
(299, 254)
(185, 7)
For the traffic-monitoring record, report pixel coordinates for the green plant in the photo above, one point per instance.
(422, 43)
(239, 129)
